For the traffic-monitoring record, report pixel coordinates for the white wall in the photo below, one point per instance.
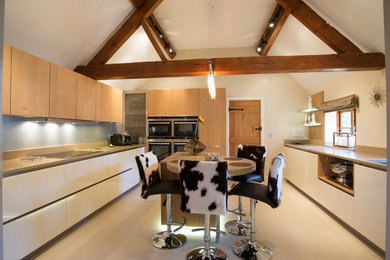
(370, 120)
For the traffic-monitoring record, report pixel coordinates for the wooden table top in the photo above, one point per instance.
(236, 166)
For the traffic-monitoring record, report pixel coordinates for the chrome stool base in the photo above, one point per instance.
(166, 240)
(200, 253)
(237, 228)
(248, 250)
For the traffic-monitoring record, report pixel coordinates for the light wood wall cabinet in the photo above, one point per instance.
(63, 89)
(103, 101)
(86, 88)
(185, 102)
(213, 132)
(116, 105)
(29, 85)
(159, 102)
(6, 80)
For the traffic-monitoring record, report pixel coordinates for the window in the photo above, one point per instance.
(343, 122)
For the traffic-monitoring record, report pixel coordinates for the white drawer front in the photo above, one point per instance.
(121, 183)
(28, 191)
(26, 234)
(86, 172)
(81, 204)
(122, 161)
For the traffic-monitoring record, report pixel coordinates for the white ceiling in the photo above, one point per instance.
(70, 32)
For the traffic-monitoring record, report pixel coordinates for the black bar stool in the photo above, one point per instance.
(256, 154)
(149, 174)
(270, 194)
(204, 191)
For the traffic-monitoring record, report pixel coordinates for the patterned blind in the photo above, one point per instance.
(351, 101)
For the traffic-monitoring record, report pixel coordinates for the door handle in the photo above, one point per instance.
(234, 109)
(258, 128)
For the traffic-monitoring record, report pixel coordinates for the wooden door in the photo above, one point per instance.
(63, 89)
(116, 105)
(185, 102)
(213, 132)
(86, 88)
(6, 79)
(103, 102)
(244, 124)
(30, 79)
(159, 102)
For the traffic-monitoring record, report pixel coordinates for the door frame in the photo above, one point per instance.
(228, 99)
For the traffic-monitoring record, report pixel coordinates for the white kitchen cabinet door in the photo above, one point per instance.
(123, 161)
(336, 201)
(370, 204)
(86, 172)
(121, 183)
(83, 203)
(25, 192)
(26, 234)
(302, 170)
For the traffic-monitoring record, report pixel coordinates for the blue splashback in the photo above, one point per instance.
(21, 134)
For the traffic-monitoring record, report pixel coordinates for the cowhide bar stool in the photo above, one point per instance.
(256, 154)
(204, 191)
(150, 178)
(248, 248)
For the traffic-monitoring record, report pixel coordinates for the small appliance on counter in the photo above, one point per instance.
(119, 140)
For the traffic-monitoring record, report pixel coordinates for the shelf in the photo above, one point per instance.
(336, 185)
(316, 124)
(310, 110)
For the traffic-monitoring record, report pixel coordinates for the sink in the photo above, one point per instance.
(71, 154)
(381, 161)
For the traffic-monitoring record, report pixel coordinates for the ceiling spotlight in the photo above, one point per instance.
(258, 49)
(271, 24)
(170, 50)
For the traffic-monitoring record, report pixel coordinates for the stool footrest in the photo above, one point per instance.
(181, 225)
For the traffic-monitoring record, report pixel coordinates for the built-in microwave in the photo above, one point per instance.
(178, 145)
(184, 128)
(161, 147)
(160, 129)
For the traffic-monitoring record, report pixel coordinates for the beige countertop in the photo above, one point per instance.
(360, 157)
(17, 166)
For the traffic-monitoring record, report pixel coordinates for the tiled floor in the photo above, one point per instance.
(296, 230)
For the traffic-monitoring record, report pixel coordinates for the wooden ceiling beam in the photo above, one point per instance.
(237, 66)
(124, 32)
(277, 19)
(328, 34)
(161, 36)
(137, 3)
(147, 25)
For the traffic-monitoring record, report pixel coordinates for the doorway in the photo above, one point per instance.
(244, 123)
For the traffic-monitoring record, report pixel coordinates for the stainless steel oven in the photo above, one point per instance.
(160, 128)
(184, 128)
(178, 145)
(161, 147)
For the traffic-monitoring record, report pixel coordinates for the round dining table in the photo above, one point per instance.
(236, 165)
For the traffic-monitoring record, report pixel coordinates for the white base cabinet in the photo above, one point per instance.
(26, 192)
(26, 234)
(365, 211)
(370, 204)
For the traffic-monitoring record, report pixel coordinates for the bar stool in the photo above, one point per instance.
(204, 191)
(149, 174)
(257, 154)
(270, 194)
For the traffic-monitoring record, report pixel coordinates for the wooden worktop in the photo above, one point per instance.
(361, 157)
(14, 166)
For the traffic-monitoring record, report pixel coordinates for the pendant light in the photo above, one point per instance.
(210, 78)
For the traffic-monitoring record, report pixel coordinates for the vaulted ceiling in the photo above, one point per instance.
(70, 32)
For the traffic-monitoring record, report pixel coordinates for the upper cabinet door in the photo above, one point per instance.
(86, 88)
(29, 85)
(159, 102)
(185, 102)
(116, 105)
(63, 89)
(6, 79)
(103, 101)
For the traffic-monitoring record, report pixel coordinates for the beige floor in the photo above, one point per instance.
(296, 230)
